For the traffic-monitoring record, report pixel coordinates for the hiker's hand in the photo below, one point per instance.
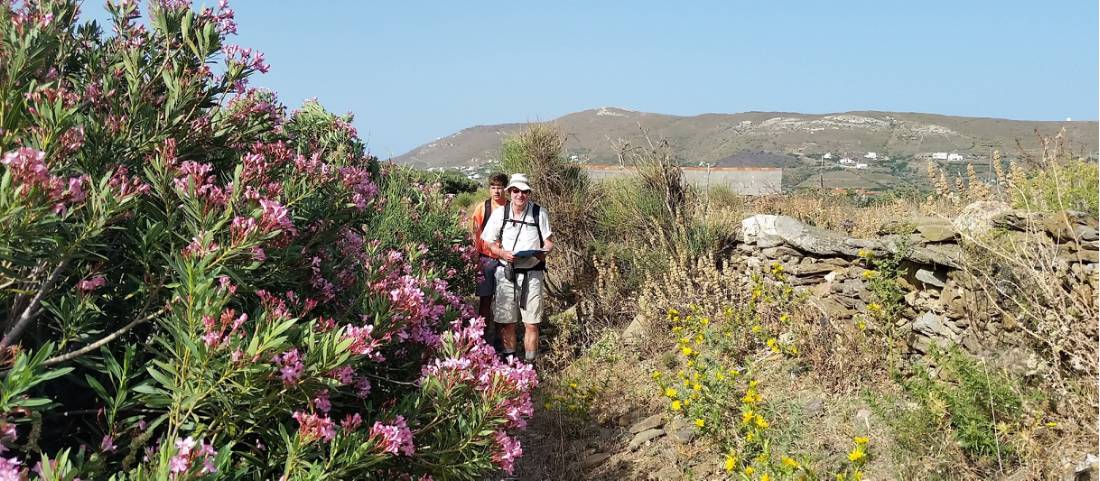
(541, 256)
(507, 255)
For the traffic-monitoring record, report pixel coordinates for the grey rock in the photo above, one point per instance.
(979, 218)
(644, 437)
(595, 459)
(924, 344)
(1086, 233)
(971, 344)
(768, 240)
(930, 277)
(654, 421)
(813, 269)
(681, 431)
(635, 332)
(814, 408)
(937, 231)
(931, 325)
(778, 252)
(832, 308)
(667, 473)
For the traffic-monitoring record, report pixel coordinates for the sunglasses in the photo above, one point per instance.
(524, 192)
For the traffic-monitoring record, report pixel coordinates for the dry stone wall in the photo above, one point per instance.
(943, 304)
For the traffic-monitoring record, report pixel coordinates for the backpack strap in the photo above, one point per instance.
(535, 209)
(487, 212)
(504, 221)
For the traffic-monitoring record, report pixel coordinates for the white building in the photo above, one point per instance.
(827, 156)
(953, 157)
(871, 156)
(847, 161)
(861, 165)
(939, 156)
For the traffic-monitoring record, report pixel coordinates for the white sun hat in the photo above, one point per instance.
(518, 181)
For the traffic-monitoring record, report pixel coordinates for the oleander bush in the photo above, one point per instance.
(195, 284)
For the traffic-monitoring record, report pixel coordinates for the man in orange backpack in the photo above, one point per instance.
(486, 285)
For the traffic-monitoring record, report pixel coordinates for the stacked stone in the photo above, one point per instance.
(942, 302)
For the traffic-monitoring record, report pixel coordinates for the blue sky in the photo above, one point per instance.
(413, 71)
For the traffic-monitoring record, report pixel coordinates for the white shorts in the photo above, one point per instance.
(505, 306)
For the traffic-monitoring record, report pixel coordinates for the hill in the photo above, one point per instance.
(747, 138)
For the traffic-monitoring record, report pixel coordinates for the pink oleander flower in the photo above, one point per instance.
(312, 427)
(509, 451)
(345, 375)
(10, 470)
(107, 444)
(321, 402)
(89, 285)
(291, 367)
(362, 387)
(394, 438)
(362, 342)
(275, 216)
(351, 422)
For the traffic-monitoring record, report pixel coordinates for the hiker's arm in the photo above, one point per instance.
(547, 246)
(501, 252)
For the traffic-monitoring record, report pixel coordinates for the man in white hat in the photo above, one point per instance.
(519, 234)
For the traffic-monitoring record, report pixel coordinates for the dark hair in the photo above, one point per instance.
(498, 179)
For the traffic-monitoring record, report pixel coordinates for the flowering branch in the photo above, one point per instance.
(31, 311)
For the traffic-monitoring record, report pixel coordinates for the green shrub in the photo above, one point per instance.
(194, 285)
(1064, 184)
(984, 407)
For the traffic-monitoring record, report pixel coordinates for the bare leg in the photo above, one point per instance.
(485, 309)
(507, 336)
(531, 339)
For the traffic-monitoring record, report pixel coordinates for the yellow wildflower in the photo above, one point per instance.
(686, 350)
(857, 476)
(698, 338)
(764, 477)
(1052, 424)
(874, 307)
(756, 328)
(704, 321)
(861, 440)
(760, 422)
(861, 324)
(773, 344)
(699, 422)
(856, 455)
(746, 417)
(691, 363)
(687, 402)
(670, 392)
(749, 470)
(572, 385)
(750, 437)
(731, 462)
(789, 462)
(868, 274)
(719, 376)
(696, 387)
(675, 405)
(785, 317)
(656, 375)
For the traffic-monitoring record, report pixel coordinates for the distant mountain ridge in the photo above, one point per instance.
(721, 138)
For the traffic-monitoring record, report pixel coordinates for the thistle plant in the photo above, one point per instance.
(195, 284)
